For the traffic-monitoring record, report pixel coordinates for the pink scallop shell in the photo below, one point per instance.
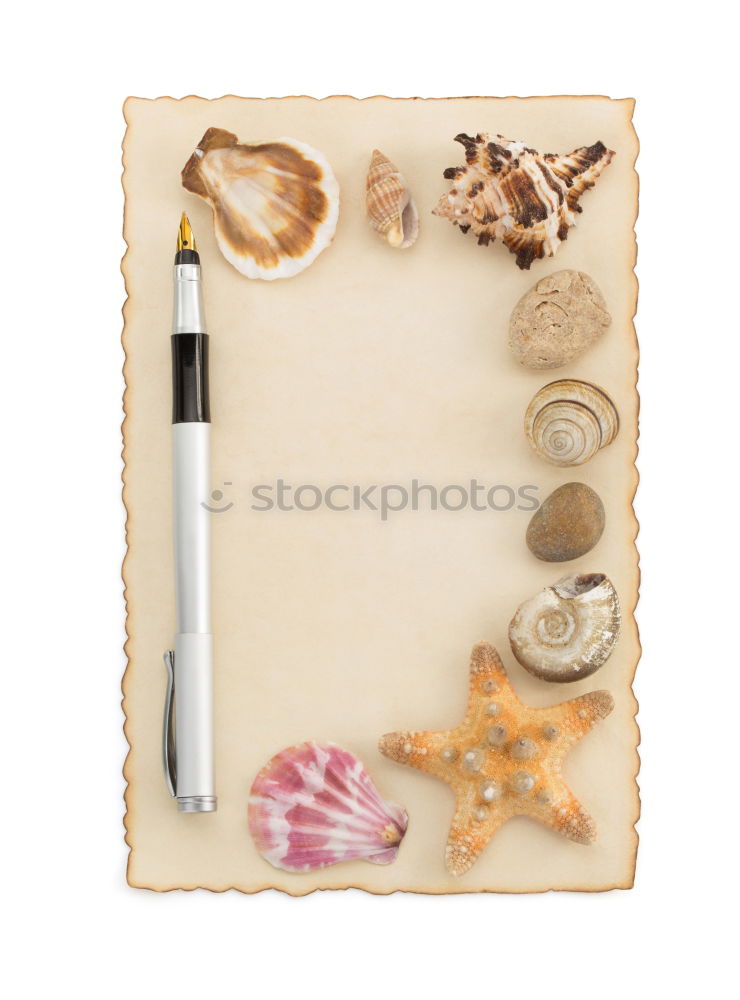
(315, 805)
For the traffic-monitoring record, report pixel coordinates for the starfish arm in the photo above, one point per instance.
(564, 813)
(470, 833)
(575, 718)
(421, 750)
(488, 680)
(486, 663)
(399, 746)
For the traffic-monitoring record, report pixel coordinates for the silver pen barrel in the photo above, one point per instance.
(191, 774)
(188, 315)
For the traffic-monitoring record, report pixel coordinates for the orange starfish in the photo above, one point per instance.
(504, 760)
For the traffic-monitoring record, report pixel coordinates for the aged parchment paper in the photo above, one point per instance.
(374, 366)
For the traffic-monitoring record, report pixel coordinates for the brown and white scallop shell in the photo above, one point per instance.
(390, 208)
(568, 421)
(275, 204)
(526, 199)
(568, 630)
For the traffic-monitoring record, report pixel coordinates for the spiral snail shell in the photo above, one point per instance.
(568, 421)
(390, 209)
(568, 630)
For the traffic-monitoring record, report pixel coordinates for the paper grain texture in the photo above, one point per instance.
(375, 366)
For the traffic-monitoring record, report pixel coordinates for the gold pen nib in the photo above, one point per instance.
(185, 238)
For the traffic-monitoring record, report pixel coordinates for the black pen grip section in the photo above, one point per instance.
(190, 400)
(187, 257)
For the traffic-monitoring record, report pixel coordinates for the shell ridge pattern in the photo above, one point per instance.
(510, 192)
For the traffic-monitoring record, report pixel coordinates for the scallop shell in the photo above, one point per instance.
(568, 630)
(314, 805)
(528, 200)
(275, 204)
(568, 421)
(390, 208)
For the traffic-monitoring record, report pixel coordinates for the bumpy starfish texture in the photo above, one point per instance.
(504, 760)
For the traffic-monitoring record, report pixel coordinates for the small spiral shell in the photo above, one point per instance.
(568, 630)
(390, 209)
(568, 421)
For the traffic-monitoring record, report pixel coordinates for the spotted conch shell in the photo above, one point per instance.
(390, 208)
(275, 204)
(568, 630)
(528, 200)
(314, 805)
(568, 421)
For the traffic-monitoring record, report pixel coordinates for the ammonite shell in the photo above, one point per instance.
(568, 421)
(557, 320)
(390, 208)
(568, 630)
(528, 200)
(275, 204)
(315, 805)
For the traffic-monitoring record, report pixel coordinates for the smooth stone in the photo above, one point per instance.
(567, 525)
(557, 320)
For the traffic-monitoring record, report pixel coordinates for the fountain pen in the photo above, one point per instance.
(188, 716)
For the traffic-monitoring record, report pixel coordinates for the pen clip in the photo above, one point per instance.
(168, 729)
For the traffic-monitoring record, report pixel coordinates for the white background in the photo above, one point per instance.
(73, 926)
